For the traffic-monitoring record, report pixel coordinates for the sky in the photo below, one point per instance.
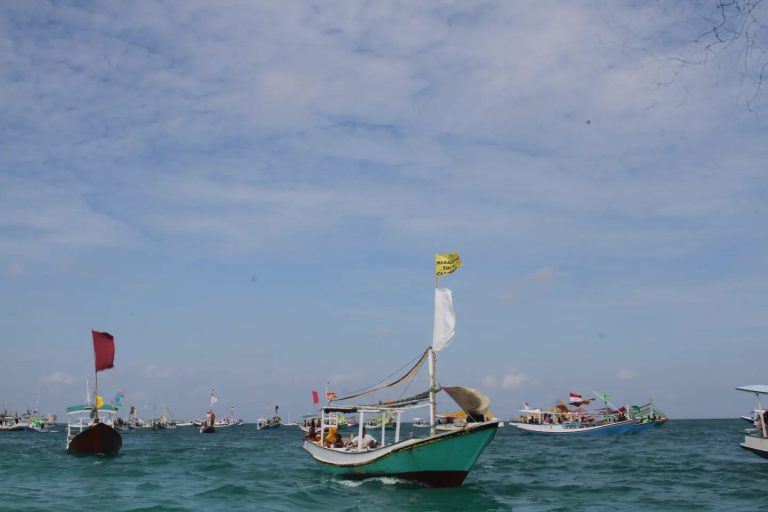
(249, 197)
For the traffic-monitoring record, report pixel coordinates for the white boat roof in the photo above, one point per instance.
(755, 388)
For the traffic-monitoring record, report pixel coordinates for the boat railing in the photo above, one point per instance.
(328, 420)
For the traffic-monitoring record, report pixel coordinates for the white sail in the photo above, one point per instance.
(445, 320)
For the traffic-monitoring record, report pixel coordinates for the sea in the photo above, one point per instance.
(690, 465)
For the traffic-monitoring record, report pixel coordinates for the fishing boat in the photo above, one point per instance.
(646, 417)
(441, 459)
(308, 421)
(421, 423)
(41, 425)
(384, 420)
(90, 425)
(10, 422)
(269, 423)
(208, 426)
(562, 420)
(756, 438)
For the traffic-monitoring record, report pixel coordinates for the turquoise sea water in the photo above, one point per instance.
(685, 465)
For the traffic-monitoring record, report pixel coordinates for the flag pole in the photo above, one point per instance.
(432, 382)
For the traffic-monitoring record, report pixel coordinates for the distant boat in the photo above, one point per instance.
(562, 420)
(442, 459)
(208, 426)
(229, 421)
(40, 425)
(308, 421)
(273, 422)
(647, 416)
(756, 439)
(89, 429)
(11, 423)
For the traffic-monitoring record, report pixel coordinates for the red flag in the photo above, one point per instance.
(103, 350)
(315, 398)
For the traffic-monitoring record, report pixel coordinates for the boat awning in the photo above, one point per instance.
(341, 409)
(470, 400)
(755, 388)
(89, 407)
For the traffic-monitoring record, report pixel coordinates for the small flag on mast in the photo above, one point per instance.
(330, 395)
(213, 397)
(315, 397)
(103, 350)
(447, 263)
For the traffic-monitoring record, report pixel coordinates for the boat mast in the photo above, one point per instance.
(432, 385)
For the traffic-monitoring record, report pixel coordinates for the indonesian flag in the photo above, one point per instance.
(103, 350)
(575, 398)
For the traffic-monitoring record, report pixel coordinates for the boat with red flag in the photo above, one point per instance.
(90, 429)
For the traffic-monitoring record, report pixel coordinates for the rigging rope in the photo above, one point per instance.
(408, 375)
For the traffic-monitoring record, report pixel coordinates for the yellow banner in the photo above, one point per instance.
(446, 263)
(99, 401)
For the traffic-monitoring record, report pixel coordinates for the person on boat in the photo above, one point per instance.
(333, 439)
(311, 433)
(368, 441)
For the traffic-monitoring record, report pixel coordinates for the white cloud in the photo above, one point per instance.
(59, 377)
(509, 381)
(627, 374)
(543, 275)
(14, 270)
(158, 372)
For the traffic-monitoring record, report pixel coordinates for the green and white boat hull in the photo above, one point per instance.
(442, 460)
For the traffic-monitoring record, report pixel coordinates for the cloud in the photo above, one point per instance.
(14, 270)
(509, 381)
(59, 377)
(627, 374)
(158, 372)
(543, 275)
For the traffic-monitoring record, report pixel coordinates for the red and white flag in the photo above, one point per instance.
(575, 398)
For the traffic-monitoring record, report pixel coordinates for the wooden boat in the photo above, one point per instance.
(11, 423)
(756, 438)
(646, 417)
(269, 423)
(571, 428)
(441, 459)
(92, 435)
(561, 420)
(208, 426)
(90, 428)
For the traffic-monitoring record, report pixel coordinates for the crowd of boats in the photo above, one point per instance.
(439, 451)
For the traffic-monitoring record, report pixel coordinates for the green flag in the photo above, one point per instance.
(602, 396)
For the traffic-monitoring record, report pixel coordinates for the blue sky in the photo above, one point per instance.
(249, 196)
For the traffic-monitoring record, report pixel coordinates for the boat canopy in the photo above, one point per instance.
(761, 389)
(89, 407)
(470, 400)
(389, 405)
